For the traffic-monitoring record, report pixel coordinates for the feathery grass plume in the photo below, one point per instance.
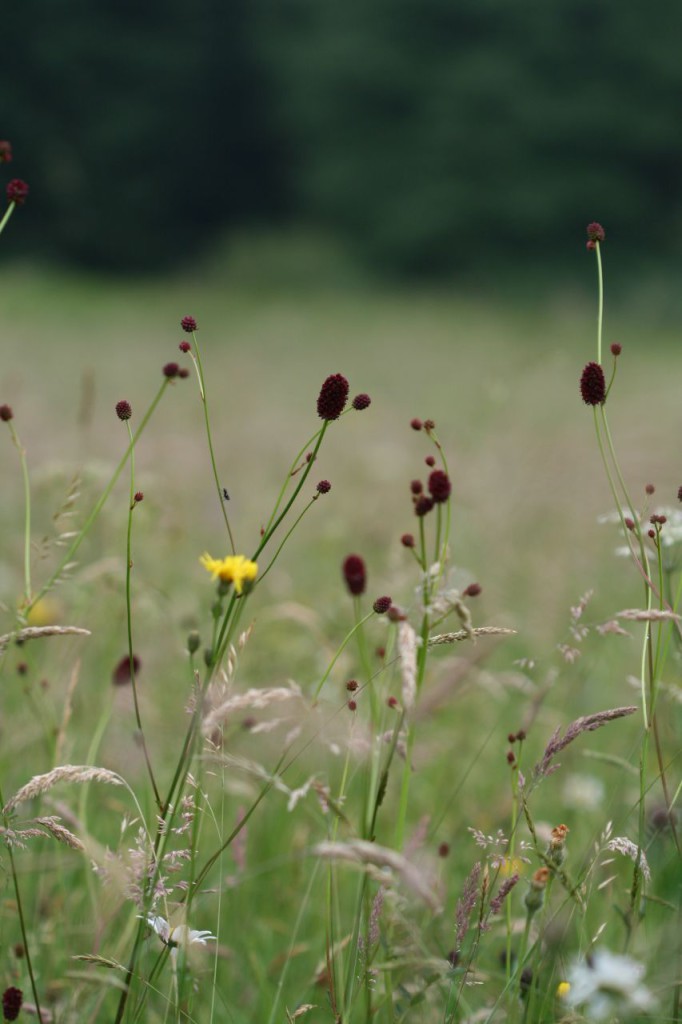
(362, 852)
(463, 634)
(625, 846)
(466, 904)
(64, 773)
(35, 632)
(407, 653)
(60, 832)
(587, 723)
(502, 893)
(255, 700)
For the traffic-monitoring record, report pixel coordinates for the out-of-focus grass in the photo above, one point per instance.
(501, 382)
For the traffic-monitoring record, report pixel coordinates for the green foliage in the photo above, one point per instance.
(430, 135)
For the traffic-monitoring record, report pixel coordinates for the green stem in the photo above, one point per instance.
(204, 402)
(8, 213)
(600, 313)
(129, 618)
(344, 643)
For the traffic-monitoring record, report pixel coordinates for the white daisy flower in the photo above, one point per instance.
(179, 937)
(607, 984)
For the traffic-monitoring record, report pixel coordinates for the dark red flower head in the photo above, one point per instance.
(183, 373)
(123, 410)
(381, 605)
(616, 348)
(184, 346)
(361, 401)
(407, 539)
(122, 674)
(595, 232)
(423, 505)
(12, 998)
(324, 487)
(679, 494)
(5, 152)
(649, 489)
(333, 397)
(473, 590)
(416, 486)
(188, 324)
(17, 190)
(430, 461)
(171, 370)
(416, 424)
(439, 486)
(355, 574)
(593, 385)
(138, 497)
(6, 413)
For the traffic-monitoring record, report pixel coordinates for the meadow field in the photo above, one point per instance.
(261, 850)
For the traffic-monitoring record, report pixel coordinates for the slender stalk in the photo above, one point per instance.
(8, 213)
(129, 619)
(204, 402)
(600, 312)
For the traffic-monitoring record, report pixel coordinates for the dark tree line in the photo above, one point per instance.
(428, 134)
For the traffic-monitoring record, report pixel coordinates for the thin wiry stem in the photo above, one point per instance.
(129, 619)
(204, 402)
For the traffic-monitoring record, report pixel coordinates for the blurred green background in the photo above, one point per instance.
(435, 139)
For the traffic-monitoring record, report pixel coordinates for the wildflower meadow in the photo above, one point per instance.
(341, 683)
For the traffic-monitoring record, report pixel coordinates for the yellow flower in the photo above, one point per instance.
(563, 988)
(45, 612)
(235, 569)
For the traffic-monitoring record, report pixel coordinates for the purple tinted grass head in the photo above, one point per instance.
(124, 410)
(466, 903)
(502, 893)
(355, 574)
(361, 401)
(587, 723)
(333, 397)
(593, 385)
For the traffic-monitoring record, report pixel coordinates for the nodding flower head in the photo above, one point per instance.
(188, 324)
(333, 397)
(593, 385)
(124, 410)
(355, 574)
